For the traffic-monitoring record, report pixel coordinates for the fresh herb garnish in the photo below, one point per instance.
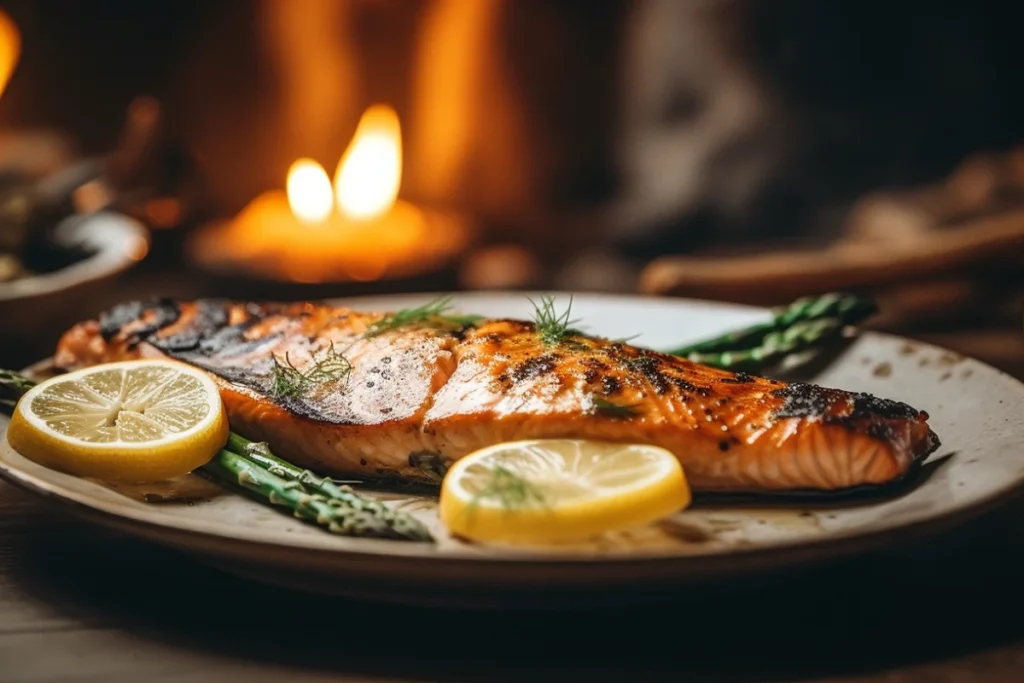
(615, 410)
(510, 489)
(551, 326)
(289, 381)
(431, 313)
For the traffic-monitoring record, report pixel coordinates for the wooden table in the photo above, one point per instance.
(81, 604)
(78, 603)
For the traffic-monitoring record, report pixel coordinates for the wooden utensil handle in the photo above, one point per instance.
(846, 266)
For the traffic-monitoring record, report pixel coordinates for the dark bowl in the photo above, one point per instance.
(95, 250)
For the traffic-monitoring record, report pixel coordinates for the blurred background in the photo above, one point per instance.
(737, 150)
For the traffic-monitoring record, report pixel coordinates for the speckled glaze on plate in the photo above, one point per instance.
(974, 408)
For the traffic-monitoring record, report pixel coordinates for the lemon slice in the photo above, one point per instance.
(138, 421)
(557, 490)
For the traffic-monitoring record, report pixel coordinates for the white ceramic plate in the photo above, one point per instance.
(974, 409)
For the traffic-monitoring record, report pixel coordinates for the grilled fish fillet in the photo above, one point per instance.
(423, 394)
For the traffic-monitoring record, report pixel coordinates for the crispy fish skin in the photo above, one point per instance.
(440, 392)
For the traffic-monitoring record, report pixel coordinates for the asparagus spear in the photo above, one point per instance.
(774, 347)
(806, 323)
(12, 386)
(253, 467)
(396, 524)
(348, 515)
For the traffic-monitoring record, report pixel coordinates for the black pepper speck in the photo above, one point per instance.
(684, 385)
(808, 400)
(648, 367)
(534, 367)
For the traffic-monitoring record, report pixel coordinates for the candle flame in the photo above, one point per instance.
(10, 48)
(309, 191)
(369, 174)
(298, 235)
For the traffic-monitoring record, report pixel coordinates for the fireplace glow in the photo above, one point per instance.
(10, 48)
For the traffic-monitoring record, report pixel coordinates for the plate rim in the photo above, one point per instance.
(370, 550)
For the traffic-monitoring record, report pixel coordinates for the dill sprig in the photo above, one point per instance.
(551, 326)
(431, 313)
(289, 381)
(614, 410)
(510, 489)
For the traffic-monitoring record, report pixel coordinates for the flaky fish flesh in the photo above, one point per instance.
(332, 389)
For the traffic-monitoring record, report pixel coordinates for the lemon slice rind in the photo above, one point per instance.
(149, 432)
(580, 489)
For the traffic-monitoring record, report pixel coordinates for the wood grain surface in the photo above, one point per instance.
(78, 603)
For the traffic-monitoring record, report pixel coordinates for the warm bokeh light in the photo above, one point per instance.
(357, 231)
(10, 48)
(309, 191)
(369, 174)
